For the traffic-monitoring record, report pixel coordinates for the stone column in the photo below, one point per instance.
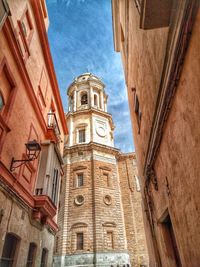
(101, 100)
(91, 97)
(69, 103)
(105, 106)
(75, 100)
(70, 131)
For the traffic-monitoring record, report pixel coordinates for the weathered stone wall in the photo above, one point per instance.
(17, 219)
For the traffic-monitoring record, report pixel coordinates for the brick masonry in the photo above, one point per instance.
(111, 205)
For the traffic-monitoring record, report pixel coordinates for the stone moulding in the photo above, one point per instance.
(79, 168)
(105, 168)
(173, 65)
(79, 225)
(89, 147)
(109, 224)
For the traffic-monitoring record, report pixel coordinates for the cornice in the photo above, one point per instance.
(89, 147)
(123, 156)
(76, 83)
(90, 111)
(99, 147)
(178, 41)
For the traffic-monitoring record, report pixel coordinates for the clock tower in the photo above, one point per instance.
(97, 185)
(87, 119)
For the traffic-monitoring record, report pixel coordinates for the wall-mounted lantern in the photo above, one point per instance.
(33, 149)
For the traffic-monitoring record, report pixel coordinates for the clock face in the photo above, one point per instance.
(101, 131)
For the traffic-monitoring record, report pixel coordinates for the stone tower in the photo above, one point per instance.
(93, 230)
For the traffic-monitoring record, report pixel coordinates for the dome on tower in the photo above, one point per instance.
(84, 78)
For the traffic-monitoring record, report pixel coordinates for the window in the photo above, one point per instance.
(31, 255)
(79, 200)
(84, 99)
(107, 200)
(25, 34)
(4, 12)
(82, 136)
(137, 183)
(110, 244)
(26, 27)
(106, 179)
(170, 240)
(44, 257)
(10, 250)
(56, 244)
(95, 100)
(54, 186)
(79, 179)
(61, 183)
(138, 112)
(7, 90)
(48, 180)
(1, 102)
(79, 241)
(122, 34)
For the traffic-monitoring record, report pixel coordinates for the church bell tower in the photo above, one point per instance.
(92, 230)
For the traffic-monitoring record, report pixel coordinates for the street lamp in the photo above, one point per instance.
(33, 149)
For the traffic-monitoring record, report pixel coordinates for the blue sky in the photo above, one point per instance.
(81, 40)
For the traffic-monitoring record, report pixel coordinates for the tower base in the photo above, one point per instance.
(104, 259)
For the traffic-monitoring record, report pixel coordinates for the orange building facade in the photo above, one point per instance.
(160, 49)
(31, 113)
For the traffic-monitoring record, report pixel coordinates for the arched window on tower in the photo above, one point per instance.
(95, 100)
(84, 99)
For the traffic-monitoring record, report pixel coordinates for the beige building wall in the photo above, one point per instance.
(160, 53)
